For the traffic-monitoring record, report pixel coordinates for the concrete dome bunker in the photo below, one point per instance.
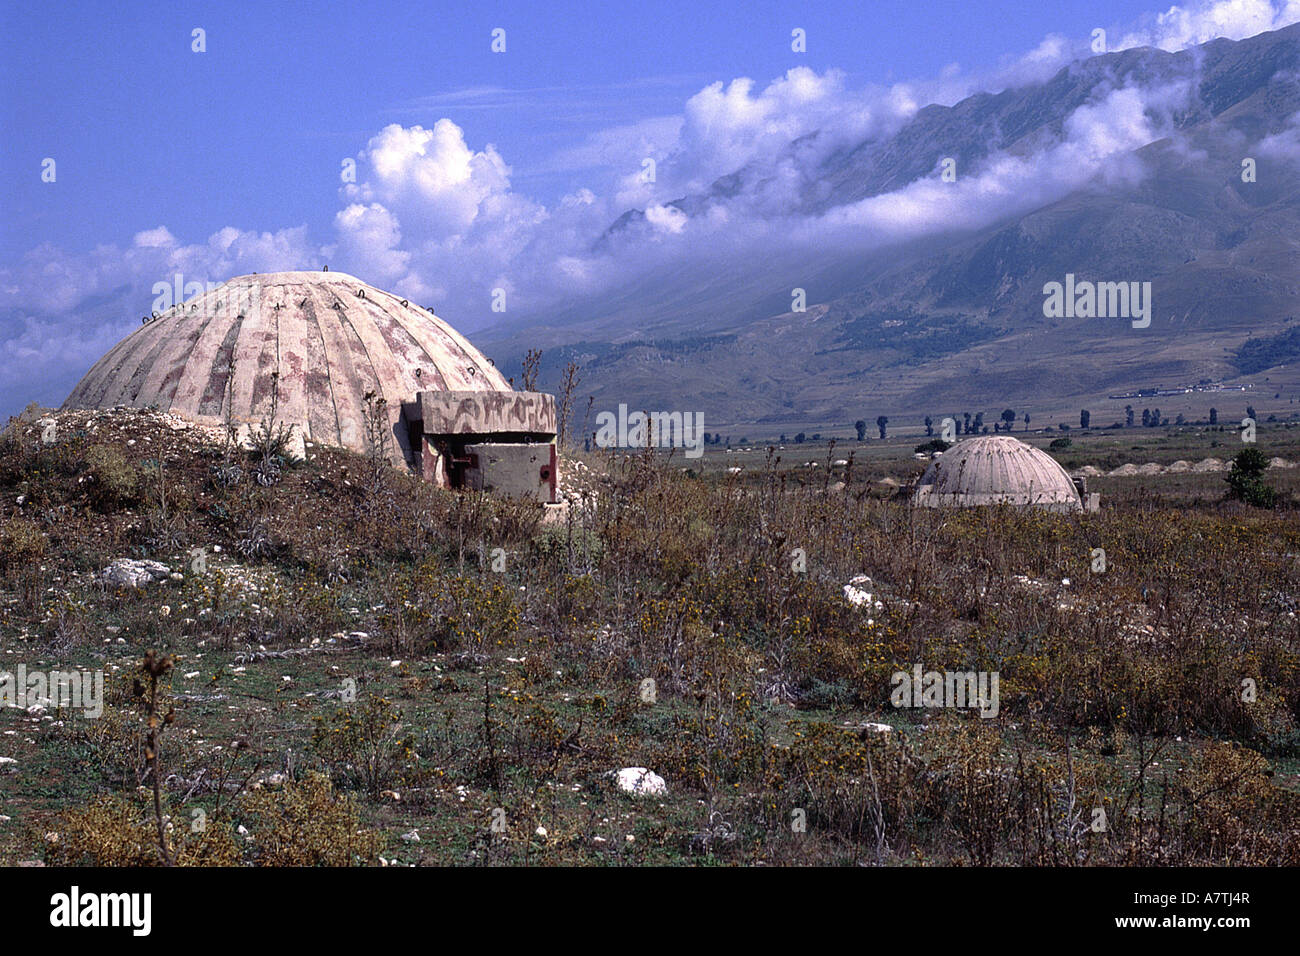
(316, 345)
(1000, 470)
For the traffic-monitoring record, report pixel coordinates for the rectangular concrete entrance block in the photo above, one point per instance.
(498, 441)
(516, 470)
(487, 413)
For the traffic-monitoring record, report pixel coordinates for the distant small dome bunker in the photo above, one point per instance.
(319, 343)
(998, 469)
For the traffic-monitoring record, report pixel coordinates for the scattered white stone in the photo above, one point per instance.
(857, 595)
(640, 782)
(411, 836)
(541, 832)
(133, 573)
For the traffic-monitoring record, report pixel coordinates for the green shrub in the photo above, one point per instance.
(22, 544)
(114, 482)
(1246, 480)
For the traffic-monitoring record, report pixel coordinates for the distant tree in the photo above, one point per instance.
(1026, 421)
(817, 436)
(1063, 427)
(1059, 444)
(933, 445)
(1214, 416)
(966, 429)
(978, 424)
(929, 426)
(1250, 411)
(1085, 417)
(1246, 479)
(860, 426)
(1155, 418)
(1128, 415)
(1179, 420)
(798, 439)
(881, 422)
(782, 439)
(1146, 418)
(1008, 416)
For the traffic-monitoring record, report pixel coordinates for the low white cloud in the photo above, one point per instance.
(437, 218)
(1182, 26)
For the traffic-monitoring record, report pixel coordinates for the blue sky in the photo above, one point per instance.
(252, 132)
(477, 172)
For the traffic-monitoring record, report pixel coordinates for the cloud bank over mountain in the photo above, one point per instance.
(739, 176)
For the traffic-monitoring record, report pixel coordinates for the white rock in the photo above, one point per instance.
(854, 593)
(640, 782)
(411, 836)
(132, 573)
(541, 832)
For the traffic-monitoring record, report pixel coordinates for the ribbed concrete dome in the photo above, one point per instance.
(996, 469)
(331, 337)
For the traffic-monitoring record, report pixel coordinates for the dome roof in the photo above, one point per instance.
(996, 469)
(330, 337)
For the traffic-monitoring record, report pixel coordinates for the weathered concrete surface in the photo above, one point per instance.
(997, 469)
(331, 337)
(485, 413)
(512, 469)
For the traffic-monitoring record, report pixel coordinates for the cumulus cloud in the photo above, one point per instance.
(60, 311)
(369, 240)
(1182, 26)
(433, 174)
(439, 220)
